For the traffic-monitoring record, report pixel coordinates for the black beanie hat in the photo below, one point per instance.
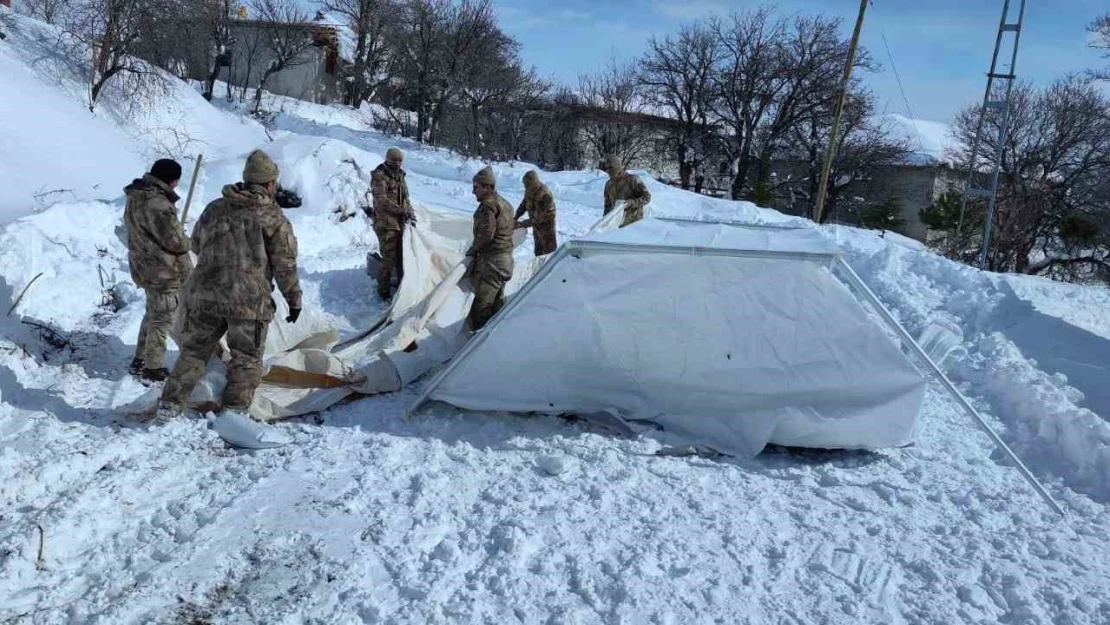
(166, 170)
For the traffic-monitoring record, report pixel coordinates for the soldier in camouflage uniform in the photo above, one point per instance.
(624, 186)
(540, 206)
(158, 255)
(391, 210)
(492, 250)
(244, 243)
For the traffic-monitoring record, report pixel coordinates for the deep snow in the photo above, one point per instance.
(450, 517)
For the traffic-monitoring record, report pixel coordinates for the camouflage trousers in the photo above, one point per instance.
(543, 235)
(200, 333)
(488, 276)
(389, 247)
(157, 326)
(632, 215)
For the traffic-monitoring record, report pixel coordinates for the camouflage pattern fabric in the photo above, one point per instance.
(539, 204)
(158, 250)
(391, 198)
(488, 276)
(493, 227)
(200, 334)
(389, 247)
(244, 243)
(627, 187)
(492, 251)
(157, 326)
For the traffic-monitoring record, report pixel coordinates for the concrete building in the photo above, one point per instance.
(311, 76)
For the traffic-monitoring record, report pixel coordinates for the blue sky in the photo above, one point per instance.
(941, 47)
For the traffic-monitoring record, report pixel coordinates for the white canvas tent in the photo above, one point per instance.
(310, 367)
(726, 336)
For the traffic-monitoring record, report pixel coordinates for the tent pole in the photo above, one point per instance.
(859, 284)
(477, 340)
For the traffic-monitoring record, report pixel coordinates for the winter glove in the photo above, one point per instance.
(410, 217)
(294, 314)
(286, 198)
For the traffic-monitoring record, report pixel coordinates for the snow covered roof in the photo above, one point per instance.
(931, 143)
(719, 236)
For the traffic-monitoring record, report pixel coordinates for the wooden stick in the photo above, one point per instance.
(40, 560)
(23, 292)
(192, 185)
(822, 187)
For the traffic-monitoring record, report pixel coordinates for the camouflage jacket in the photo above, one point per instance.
(540, 206)
(626, 187)
(244, 242)
(391, 198)
(493, 227)
(159, 250)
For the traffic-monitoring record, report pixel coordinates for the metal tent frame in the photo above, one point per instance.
(855, 284)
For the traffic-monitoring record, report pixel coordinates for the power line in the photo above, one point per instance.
(898, 78)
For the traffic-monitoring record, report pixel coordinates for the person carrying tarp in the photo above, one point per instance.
(623, 186)
(158, 256)
(391, 210)
(492, 250)
(244, 244)
(540, 206)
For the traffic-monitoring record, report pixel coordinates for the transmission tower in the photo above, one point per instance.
(990, 103)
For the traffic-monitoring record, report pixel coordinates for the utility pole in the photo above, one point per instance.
(1003, 107)
(834, 134)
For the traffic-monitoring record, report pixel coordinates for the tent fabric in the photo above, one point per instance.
(732, 352)
(309, 367)
(692, 234)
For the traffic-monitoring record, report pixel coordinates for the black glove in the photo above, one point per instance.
(286, 198)
(410, 217)
(294, 314)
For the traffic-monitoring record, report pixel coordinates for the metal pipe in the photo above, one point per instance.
(861, 286)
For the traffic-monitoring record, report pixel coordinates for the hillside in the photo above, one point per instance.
(452, 517)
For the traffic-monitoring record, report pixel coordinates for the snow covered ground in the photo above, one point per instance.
(449, 517)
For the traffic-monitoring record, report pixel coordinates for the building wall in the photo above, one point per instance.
(915, 187)
(308, 79)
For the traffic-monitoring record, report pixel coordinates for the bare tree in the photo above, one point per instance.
(614, 106)
(865, 145)
(49, 11)
(419, 44)
(371, 22)
(677, 75)
(775, 74)
(1053, 205)
(1100, 31)
(437, 42)
(115, 31)
(285, 33)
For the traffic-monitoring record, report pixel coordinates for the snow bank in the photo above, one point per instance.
(1040, 413)
(54, 149)
(57, 151)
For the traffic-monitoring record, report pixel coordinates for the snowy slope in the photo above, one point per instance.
(56, 150)
(448, 517)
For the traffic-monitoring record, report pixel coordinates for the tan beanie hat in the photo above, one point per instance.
(613, 163)
(531, 177)
(394, 154)
(260, 168)
(486, 177)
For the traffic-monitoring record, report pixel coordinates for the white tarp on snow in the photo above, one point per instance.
(726, 336)
(308, 369)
